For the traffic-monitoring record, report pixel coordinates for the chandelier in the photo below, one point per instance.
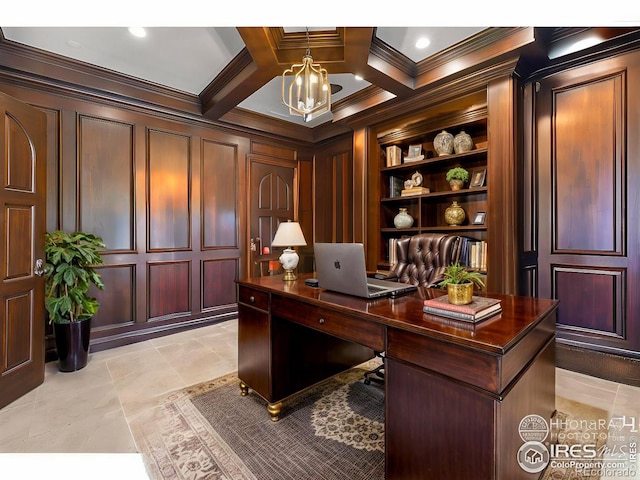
(305, 88)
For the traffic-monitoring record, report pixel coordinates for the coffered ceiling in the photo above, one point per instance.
(232, 74)
(228, 66)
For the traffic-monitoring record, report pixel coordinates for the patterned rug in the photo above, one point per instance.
(343, 417)
(332, 431)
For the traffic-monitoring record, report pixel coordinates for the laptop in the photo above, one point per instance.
(340, 267)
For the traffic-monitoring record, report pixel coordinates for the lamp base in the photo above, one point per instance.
(289, 260)
(289, 275)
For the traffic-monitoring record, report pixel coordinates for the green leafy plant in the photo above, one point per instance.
(69, 271)
(457, 274)
(457, 173)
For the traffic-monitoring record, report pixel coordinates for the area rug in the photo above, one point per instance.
(333, 431)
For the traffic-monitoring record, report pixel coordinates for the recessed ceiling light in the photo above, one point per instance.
(423, 42)
(357, 77)
(138, 32)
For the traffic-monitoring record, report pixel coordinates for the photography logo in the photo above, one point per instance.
(533, 455)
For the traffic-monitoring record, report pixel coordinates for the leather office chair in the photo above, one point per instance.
(422, 259)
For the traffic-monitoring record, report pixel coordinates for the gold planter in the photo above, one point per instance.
(460, 294)
(456, 184)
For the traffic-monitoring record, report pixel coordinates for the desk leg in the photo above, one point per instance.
(274, 411)
(244, 389)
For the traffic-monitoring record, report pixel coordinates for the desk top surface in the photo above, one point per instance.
(498, 333)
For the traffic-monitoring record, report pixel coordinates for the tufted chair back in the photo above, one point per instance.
(423, 257)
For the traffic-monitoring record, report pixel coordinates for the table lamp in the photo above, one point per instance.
(289, 235)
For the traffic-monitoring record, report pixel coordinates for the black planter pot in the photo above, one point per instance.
(72, 344)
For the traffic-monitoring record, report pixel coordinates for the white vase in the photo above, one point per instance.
(443, 143)
(462, 142)
(403, 219)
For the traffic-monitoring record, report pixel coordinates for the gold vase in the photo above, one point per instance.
(460, 294)
(454, 214)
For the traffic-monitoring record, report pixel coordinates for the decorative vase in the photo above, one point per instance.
(454, 214)
(456, 184)
(403, 219)
(72, 344)
(462, 142)
(460, 293)
(443, 143)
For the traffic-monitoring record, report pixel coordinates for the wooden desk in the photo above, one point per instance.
(455, 393)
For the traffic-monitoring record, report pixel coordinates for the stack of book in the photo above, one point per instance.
(479, 308)
(417, 158)
(395, 186)
(473, 254)
(407, 192)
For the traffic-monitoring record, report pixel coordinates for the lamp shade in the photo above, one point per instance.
(289, 234)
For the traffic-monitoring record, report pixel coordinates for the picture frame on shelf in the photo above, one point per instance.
(414, 151)
(478, 218)
(478, 178)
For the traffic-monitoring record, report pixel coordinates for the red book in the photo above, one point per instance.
(475, 308)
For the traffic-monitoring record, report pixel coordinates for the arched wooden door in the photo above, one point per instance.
(22, 196)
(273, 188)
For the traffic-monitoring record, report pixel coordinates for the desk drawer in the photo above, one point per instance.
(255, 298)
(339, 324)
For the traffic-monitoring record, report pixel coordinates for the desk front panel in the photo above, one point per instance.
(332, 322)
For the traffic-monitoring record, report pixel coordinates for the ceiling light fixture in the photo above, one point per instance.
(307, 84)
(422, 42)
(138, 32)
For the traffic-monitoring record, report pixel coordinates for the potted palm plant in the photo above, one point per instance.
(69, 272)
(457, 177)
(459, 282)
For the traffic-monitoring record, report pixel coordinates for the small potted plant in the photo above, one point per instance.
(457, 177)
(69, 271)
(459, 282)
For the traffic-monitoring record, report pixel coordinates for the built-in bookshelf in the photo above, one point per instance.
(427, 207)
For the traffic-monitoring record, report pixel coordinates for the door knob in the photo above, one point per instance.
(39, 269)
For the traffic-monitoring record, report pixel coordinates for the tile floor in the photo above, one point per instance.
(89, 411)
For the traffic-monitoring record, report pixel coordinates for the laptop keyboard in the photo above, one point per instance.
(375, 289)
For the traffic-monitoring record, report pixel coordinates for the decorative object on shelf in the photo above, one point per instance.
(70, 272)
(443, 143)
(403, 219)
(462, 142)
(394, 156)
(413, 186)
(289, 235)
(415, 154)
(478, 177)
(309, 90)
(457, 177)
(459, 283)
(454, 214)
(478, 218)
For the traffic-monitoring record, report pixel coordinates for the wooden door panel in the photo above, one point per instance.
(587, 157)
(22, 196)
(273, 193)
(587, 163)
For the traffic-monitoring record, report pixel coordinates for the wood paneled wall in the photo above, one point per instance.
(334, 187)
(589, 176)
(169, 199)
